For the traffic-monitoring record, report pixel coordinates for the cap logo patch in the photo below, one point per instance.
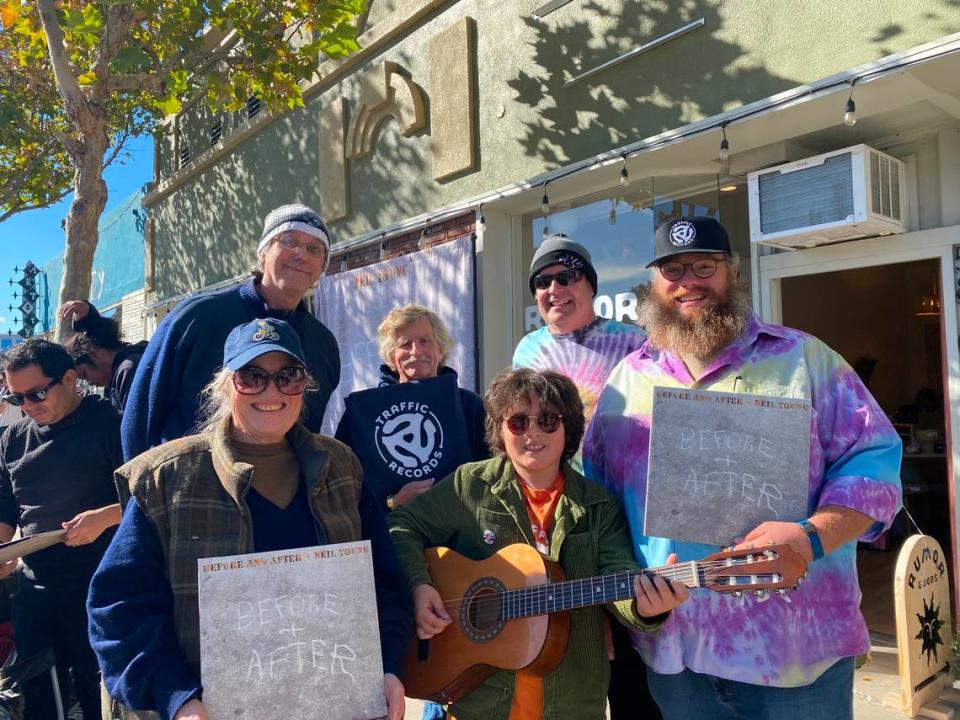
(682, 233)
(571, 261)
(265, 331)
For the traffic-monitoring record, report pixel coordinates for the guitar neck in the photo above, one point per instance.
(599, 590)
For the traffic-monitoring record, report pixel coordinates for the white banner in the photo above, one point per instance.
(353, 303)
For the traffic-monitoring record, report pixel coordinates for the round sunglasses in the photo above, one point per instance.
(34, 396)
(563, 278)
(549, 422)
(254, 380)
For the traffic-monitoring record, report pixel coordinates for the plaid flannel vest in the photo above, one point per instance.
(193, 491)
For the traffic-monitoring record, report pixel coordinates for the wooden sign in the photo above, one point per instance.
(291, 634)
(921, 591)
(722, 463)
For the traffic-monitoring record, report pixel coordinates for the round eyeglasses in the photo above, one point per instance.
(703, 268)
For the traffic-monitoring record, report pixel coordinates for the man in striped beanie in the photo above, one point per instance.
(185, 352)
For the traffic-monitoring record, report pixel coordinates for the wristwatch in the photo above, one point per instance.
(391, 505)
(814, 537)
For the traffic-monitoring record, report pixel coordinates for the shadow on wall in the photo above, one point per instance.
(648, 95)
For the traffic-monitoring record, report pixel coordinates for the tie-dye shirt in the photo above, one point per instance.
(586, 356)
(854, 463)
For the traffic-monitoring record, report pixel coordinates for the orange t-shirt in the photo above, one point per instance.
(541, 505)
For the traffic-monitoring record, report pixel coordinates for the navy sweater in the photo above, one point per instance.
(187, 350)
(130, 607)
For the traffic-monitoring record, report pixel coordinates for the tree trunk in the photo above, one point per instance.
(82, 232)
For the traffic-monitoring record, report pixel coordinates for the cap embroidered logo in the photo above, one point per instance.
(571, 261)
(682, 233)
(265, 331)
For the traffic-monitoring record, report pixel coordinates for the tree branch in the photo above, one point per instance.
(139, 81)
(34, 206)
(74, 101)
(12, 189)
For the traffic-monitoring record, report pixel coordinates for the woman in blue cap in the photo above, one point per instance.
(254, 480)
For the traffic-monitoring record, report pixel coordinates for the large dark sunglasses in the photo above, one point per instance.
(549, 422)
(563, 278)
(703, 268)
(254, 380)
(34, 396)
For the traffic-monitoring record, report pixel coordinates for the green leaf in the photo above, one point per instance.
(131, 60)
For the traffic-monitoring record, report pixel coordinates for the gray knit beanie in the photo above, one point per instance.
(562, 250)
(294, 217)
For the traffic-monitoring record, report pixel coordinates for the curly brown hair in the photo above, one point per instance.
(556, 393)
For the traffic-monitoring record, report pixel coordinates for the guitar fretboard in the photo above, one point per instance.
(600, 590)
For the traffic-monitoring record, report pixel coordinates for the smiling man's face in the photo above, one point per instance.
(565, 308)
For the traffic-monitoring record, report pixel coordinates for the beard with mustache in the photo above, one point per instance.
(703, 334)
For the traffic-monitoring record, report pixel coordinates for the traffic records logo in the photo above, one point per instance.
(410, 439)
(682, 233)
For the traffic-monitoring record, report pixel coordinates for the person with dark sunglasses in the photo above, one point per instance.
(576, 342)
(56, 474)
(529, 493)
(254, 480)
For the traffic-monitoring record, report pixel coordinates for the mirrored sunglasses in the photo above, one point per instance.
(563, 278)
(549, 422)
(703, 268)
(34, 396)
(254, 380)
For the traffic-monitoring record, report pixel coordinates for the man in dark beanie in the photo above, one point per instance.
(577, 343)
(292, 253)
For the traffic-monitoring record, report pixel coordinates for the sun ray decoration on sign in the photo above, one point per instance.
(930, 624)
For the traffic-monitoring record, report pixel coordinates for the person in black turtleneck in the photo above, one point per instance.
(56, 472)
(101, 357)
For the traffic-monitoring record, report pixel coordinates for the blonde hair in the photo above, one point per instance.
(403, 317)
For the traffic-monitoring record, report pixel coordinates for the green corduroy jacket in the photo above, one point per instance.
(589, 537)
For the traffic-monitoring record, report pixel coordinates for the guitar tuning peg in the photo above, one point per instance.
(762, 595)
(784, 596)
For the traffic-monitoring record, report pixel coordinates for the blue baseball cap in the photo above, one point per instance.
(251, 340)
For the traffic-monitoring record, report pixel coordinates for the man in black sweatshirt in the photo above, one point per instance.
(56, 472)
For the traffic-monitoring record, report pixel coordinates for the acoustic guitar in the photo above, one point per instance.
(509, 611)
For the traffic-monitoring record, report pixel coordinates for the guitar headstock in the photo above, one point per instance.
(772, 567)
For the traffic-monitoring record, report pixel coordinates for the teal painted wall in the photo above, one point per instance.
(748, 50)
(117, 263)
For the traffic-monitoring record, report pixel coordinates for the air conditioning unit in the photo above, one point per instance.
(841, 195)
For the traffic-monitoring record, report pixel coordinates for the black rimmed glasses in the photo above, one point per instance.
(703, 268)
(34, 396)
(563, 278)
(549, 422)
(254, 380)
(289, 242)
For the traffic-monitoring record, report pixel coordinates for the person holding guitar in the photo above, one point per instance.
(529, 494)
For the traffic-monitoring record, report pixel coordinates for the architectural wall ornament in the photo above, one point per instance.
(387, 92)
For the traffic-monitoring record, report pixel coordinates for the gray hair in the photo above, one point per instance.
(403, 317)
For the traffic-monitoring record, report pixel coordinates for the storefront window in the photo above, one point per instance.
(617, 228)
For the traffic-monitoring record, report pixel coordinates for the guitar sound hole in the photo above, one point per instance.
(484, 611)
(480, 611)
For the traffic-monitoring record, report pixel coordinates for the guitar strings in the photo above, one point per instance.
(683, 571)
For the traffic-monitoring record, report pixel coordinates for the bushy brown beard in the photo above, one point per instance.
(702, 335)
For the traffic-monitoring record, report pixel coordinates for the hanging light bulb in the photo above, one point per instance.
(482, 222)
(624, 173)
(546, 232)
(545, 203)
(724, 145)
(612, 217)
(850, 112)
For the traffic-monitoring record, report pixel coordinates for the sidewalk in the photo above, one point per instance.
(872, 682)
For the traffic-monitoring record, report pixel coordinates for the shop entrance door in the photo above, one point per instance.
(880, 304)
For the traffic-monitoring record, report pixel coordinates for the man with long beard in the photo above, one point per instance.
(720, 656)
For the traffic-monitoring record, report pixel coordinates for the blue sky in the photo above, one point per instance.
(36, 235)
